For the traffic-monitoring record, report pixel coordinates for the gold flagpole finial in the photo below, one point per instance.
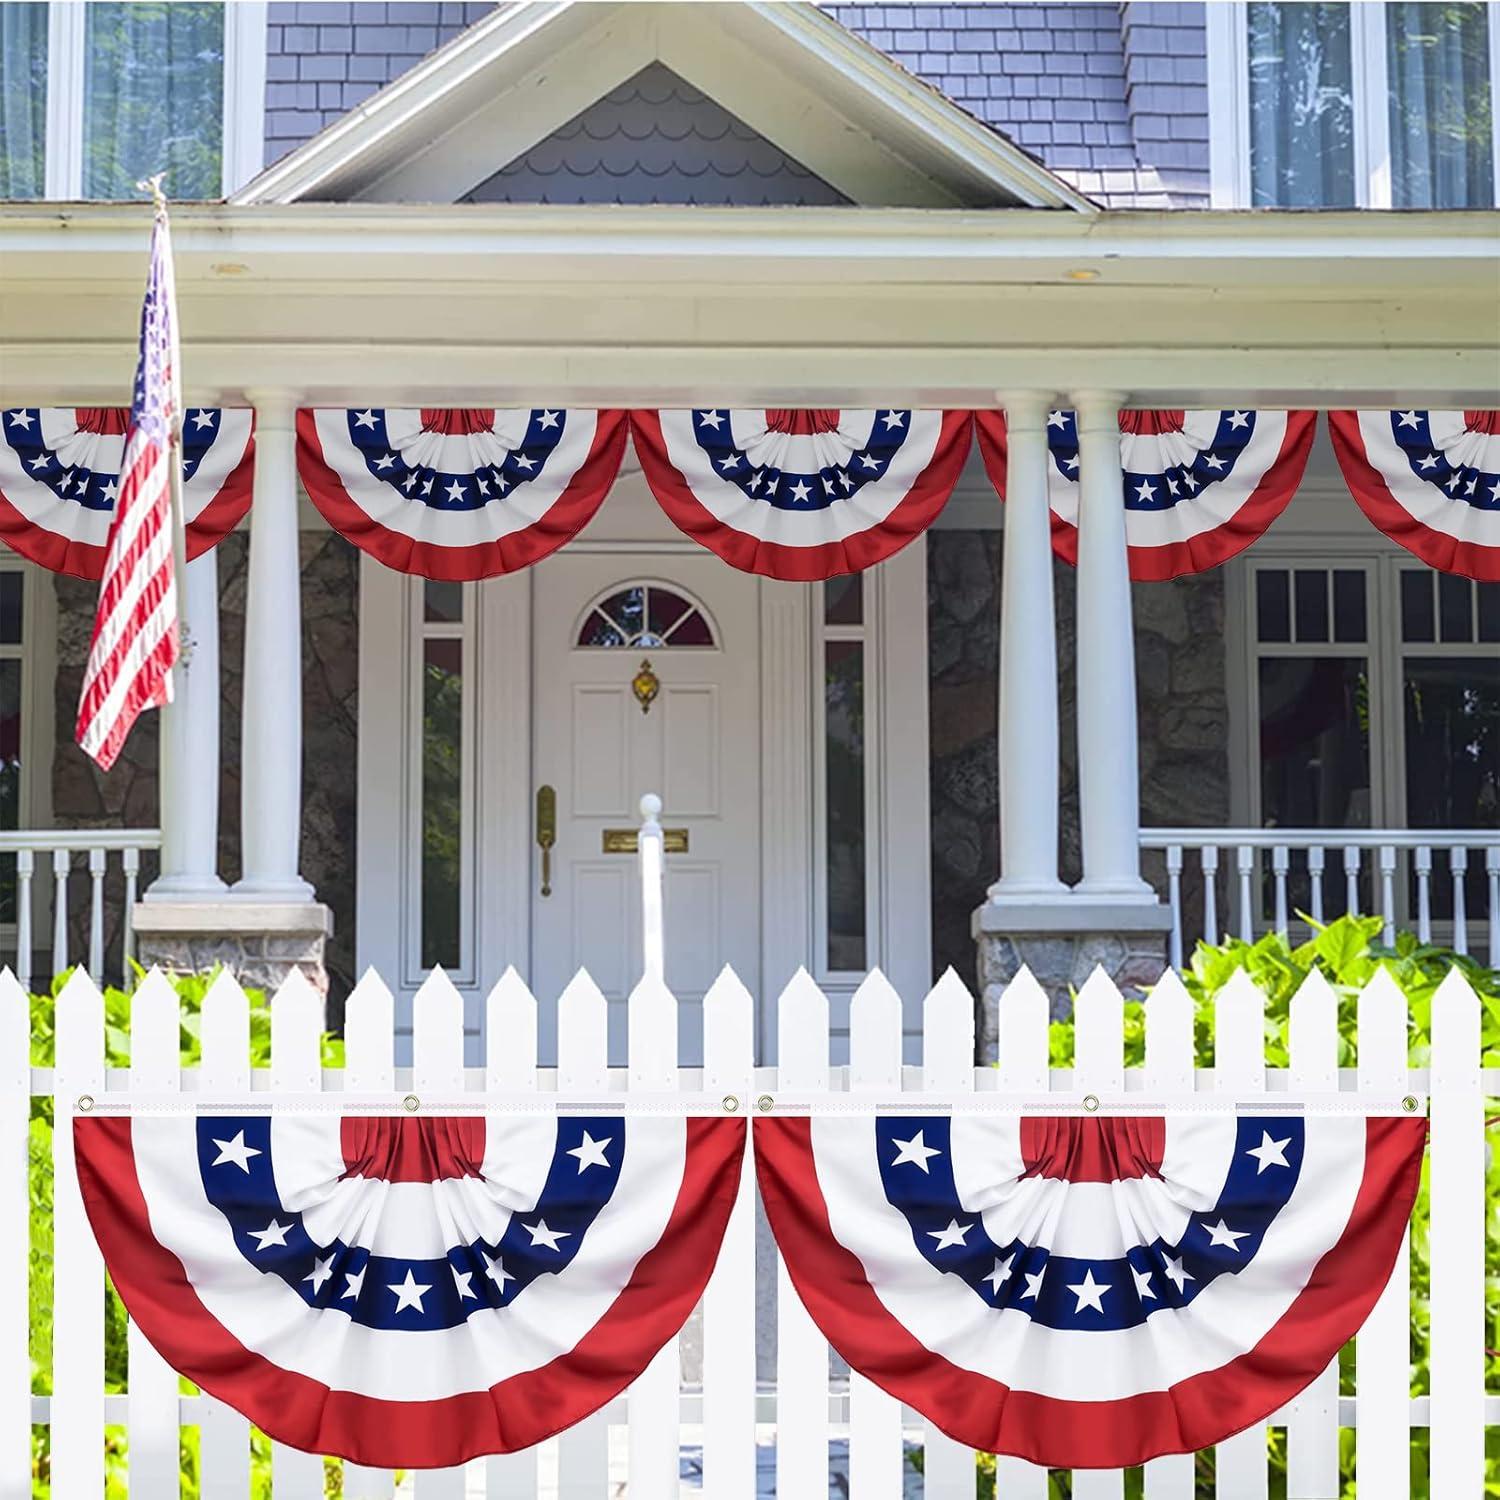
(152, 185)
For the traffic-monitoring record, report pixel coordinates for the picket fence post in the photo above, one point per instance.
(15, 1241)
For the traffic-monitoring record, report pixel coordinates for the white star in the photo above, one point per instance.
(894, 419)
(364, 419)
(591, 1152)
(273, 1234)
(67, 482)
(1056, 419)
(1033, 1282)
(710, 419)
(461, 1280)
(1175, 1273)
(541, 1235)
(1430, 462)
(1238, 419)
(845, 480)
(1495, 490)
(800, 491)
(1000, 1273)
(1070, 463)
(1190, 482)
(732, 462)
(916, 1151)
(1453, 481)
(387, 462)
(1213, 461)
(41, 461)
(409, 1293)
(548, 421)
(1146, 490)
(1171, 484)
(952, 1235)
(354, 1284)
(455, 491)
(1089, 1292)
(409, 481)
(427, 488)
(502, 483)
(1269, 1153)
(1222, 1234)
(496, 1272)
(483, 483)
(1143, 1284)
(1408, 418)
(755, 480)
(322, 1270)
(868, 462)
(20, 418)
(1471, 485)
(202, 419)
(526, 465)
(236, 1151)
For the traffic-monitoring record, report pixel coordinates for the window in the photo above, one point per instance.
(1332, 105)
(645, 614)
(1375, 697)
(95, 97)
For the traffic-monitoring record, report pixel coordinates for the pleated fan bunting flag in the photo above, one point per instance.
(60, 478)
(409, 1291)
(1089, 1291)
(802, 495)
(458, 493)
(1199, 486)
(1430, 480)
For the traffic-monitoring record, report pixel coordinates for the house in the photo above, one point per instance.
(434, 217)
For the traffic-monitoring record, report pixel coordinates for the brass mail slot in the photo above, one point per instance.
(628, 840)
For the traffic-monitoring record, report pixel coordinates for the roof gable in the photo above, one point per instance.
(826, 99)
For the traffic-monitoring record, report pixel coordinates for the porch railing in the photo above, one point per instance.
(59, 849)
(1259, 879)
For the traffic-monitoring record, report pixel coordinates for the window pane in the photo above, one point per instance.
(1349, 622)
(1418, 620)
(1452, 742)
(442, 603)
(1301, 109)
(153, 99)
(1442, 125)
(1489, 611)
(442, 786)
(12, 596)
(843, 600)
(1455, 609)
(23, 101)
(844, 688)
(1314, 742)
(1273, 610)
(1312, 604)
(10, 778)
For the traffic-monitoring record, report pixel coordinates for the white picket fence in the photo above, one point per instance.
(726, 1412)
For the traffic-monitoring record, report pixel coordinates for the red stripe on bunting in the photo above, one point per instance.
(514, 1414)
(1195, 1413)
(863, 549)
(1371, 484)
(564, 519)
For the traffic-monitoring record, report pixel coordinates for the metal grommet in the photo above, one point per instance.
(731, 1103)
(85, 1103)
(1410, 1104)
(1091, 1102)
(764, 1103)
(411, 1104)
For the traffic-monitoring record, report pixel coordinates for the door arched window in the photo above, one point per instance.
(649, 615)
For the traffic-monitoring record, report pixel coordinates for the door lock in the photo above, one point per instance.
(546, 831)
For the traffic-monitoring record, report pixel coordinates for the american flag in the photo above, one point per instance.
(135, 628)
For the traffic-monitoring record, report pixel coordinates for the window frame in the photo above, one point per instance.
(242, 151)
(1227, 41)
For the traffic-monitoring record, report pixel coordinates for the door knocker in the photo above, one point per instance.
(645, 685)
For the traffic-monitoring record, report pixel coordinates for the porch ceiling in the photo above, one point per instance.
(485, 304)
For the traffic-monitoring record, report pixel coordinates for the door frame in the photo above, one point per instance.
(499, 898)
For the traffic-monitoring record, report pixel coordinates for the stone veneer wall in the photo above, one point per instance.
(82, 797)
(1184, 729)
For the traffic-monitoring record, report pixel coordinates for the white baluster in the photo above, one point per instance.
(1492, 869)
(1422, 864)
(1280, 863)
(1388, 892)
(1351, 878)
(1315, 863)
(1174, 900)
(97, 858)
(60, 863)
(1458, 869)
(1209, 859)
(653, 939)
(25, 866)
(1245, 864)
(132, 864)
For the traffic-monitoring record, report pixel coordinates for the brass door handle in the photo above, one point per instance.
(628, 841)
(546, 831)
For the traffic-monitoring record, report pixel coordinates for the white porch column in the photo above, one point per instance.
(1028, 664)
(271, 740)
(1108, 755)
(188, 769)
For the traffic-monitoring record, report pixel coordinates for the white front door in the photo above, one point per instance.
(645, 679)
